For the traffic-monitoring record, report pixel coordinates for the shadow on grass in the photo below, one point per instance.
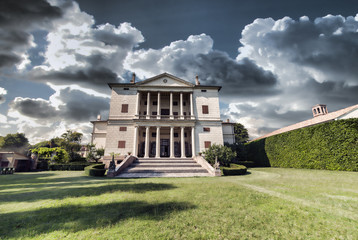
(74, 218)
(61, 193)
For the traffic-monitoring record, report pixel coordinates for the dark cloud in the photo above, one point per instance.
(80, 106)
(77, 107)
(17, 19)
(34, 108)
(237, 77)
(24, 13)
(90, 77)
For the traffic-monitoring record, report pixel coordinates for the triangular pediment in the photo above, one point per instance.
(165, 79)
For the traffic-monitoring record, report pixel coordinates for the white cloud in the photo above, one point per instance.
(3, 92)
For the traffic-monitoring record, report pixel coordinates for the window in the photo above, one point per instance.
(154, 113)
(175, 103)
(145, 113)
(123, 129)
(143, 134)
(203, 90)
(164, 112)
(121, 144)
(207, 144)
(155, 103)
(145, 102)
(206, 129)
(125, 88)
(205, 109)
(154, 134)
(184, 103)
(124, 108)
(175, 113)
(176, 135)
(184, 113)
(185, 134)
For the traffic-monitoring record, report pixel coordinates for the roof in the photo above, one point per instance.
(313, 121)
(189, 84)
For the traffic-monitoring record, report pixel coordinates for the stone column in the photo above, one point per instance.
(182, 142)
(171, 106)
(146, 148)
(171, 142)
(193, 141)
(158, 107)
(191, 106)
(181, 106)
(157, 144)
(138, 104)
(135, 143)
(148, 105)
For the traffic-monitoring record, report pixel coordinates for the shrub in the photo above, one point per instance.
(225, 154)
(74, 166)
(96, 170)
(248, 164)
(234, 169)
(330, 146)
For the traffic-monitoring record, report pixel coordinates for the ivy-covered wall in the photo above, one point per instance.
(331, 146)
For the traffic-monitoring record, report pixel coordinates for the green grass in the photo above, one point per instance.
(269, 203)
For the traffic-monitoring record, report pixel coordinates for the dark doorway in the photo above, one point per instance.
(164, 112)
(177, 149)
(164, 147)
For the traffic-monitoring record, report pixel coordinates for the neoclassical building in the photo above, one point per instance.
(163, 116)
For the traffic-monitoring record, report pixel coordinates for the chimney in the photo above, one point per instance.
(227, 120)
(99, 117)
(197, 80)
(133, 78)
(319, 109)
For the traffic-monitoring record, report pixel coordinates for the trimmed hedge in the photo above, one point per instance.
(234, 169)
(74, 166)
(331, 146)
(96, 170)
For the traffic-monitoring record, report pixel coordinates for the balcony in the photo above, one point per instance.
(165, 117)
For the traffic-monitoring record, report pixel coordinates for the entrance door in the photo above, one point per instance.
(164, 147)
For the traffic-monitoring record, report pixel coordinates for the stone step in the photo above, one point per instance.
(141, 165)
(164, 161)
(156, 174)
(165, 170)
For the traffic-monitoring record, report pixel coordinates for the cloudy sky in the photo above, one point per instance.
(274, 59)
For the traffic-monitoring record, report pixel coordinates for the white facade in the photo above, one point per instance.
(182, 117)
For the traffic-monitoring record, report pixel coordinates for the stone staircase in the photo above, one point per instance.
(164, 167)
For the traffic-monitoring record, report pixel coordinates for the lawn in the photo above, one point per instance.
(268, 203)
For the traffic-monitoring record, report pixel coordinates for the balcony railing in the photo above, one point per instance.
(165, 117)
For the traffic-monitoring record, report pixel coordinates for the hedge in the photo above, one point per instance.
(74, 166)
(96, 170)
(234, 169)
(331, 146)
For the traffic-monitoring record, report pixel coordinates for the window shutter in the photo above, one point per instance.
(206, 129)
(205, 109)
(123, 129)
(124, 108)
(121, 144)
(207, 144)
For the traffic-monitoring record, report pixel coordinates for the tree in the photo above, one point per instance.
(224, 155)
(94, 153)
(15, 142)
(71, 142)
(241, 134)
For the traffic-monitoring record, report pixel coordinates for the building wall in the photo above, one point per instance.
(352, 114)
(120, 96)
(215, 136)
(114, 135)
(209, 98)
(228, 133)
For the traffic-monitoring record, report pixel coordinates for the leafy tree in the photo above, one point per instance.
(60, 155)
(71, 142)
(15, 142)
(241, 134)
(224, 155)
(94, 153)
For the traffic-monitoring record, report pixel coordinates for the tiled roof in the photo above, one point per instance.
(313, 121)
